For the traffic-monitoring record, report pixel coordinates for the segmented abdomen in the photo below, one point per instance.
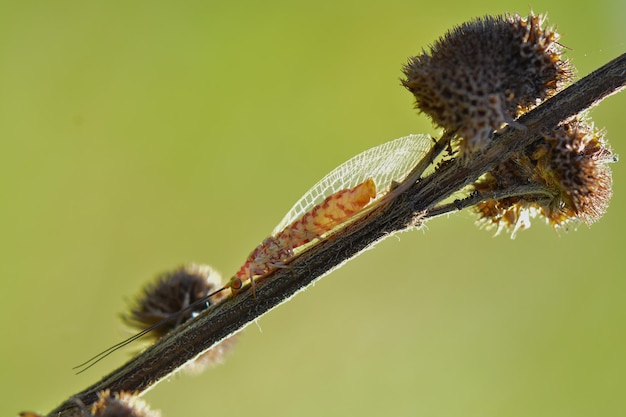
(324, 217)
(263, 258)
(334, 210)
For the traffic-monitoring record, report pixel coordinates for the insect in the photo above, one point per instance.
(322, 218)
(341, 196)
(337, 198)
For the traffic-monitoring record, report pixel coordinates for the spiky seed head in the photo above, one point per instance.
(510, 213)
(574, 163)
(172, 292)
(485, 73)
(568, 174)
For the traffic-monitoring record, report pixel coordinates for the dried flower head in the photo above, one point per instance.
(121, 404)
(510, 212)
(485, 73)
(573, 162)
(173, 292)
(564, 177)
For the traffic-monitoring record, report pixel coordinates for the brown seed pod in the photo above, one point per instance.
(485, 73)
(574, 163)
(511, 213)
(173, 292)
(170, 293)
(566, 175)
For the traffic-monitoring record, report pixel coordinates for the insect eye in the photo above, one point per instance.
(235, 283)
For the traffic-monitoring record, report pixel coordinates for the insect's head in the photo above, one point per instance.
(235, 285)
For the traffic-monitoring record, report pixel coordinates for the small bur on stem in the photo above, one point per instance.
(167, 303)
(184, 292)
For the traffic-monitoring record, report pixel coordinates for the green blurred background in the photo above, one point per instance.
(136, 136)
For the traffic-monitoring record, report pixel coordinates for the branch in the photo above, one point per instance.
(409, 208)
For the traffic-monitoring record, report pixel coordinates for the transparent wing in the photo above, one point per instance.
(385, 163)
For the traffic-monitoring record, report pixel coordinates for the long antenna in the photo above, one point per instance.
(97, 358)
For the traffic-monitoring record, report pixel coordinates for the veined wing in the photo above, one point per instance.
(385, 163)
